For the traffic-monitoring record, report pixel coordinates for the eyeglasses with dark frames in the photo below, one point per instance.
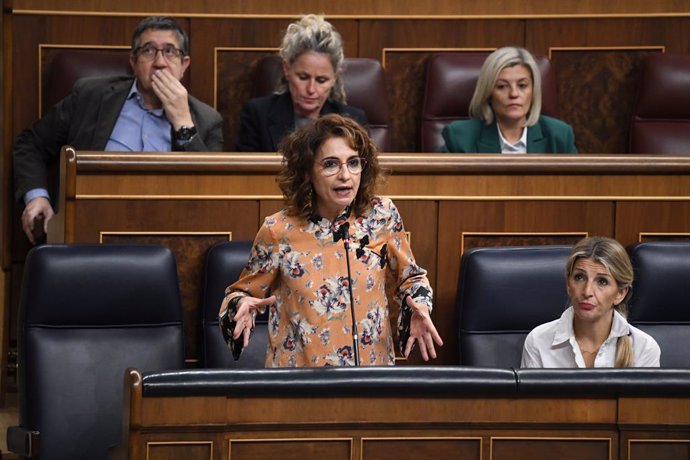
(148, 52)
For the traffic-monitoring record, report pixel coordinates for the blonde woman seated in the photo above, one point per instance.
(593, 331)
(506, 111)
(312, 86)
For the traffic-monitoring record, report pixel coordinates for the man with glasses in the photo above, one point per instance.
(150, 111)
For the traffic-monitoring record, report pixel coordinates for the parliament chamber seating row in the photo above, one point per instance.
(89, 312)
(660, 120)
(503, 293)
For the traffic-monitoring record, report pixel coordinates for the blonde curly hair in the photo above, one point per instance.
(313, 33)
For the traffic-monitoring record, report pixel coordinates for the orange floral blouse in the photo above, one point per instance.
(303, 263)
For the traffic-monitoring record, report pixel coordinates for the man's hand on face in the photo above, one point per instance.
(174, 98)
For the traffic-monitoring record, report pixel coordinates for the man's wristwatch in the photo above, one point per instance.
(185, 133)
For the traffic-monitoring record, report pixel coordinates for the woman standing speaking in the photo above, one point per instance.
(328, 260)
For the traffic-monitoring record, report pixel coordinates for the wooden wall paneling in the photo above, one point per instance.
(404, 47)
(306, 448)
(469, 240)
(421, 224)
(646, 237)
(638, 221)
(56, 30)
(597, 70)
(179, 450)
(641, 446)
(637, 442)
(222, 54)
(234, 76)
(545, 33)
(597, 92)
(552, 221)
(236, 216)
(364, 7)
(420, 218)
(412, 448)
(563, 448)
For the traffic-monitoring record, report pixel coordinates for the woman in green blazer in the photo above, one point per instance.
(505, 110)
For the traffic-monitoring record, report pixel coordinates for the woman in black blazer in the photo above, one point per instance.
(312, 53)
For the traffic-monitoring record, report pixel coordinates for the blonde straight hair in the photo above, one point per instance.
(609, 253)
(509, 56)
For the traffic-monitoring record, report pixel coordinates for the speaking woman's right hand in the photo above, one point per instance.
(246, 315)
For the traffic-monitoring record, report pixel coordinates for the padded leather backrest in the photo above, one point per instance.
(504, 293)
(365, 87)
(88, 312)
(661, 120)
(450, 82)
(224, 263)
(68, 66)
(660, 303)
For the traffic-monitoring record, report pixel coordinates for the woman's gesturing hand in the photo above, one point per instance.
(422, 330)
(246, 314)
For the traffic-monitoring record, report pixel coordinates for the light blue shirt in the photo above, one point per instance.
(137, 129)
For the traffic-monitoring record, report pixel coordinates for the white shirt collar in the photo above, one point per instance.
(565, 330)
(519, 147)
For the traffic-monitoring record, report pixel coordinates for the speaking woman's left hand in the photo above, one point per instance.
(422, 330)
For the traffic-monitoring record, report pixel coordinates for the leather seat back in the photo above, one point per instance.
(86, 314)
(661, 120)
(504, 293)
(660, 302)
(224, 263)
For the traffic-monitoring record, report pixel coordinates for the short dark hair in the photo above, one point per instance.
(161, 23)
(299, 151)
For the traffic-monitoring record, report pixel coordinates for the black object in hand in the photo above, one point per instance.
(38, 233)
(404, 328)
(227, 323)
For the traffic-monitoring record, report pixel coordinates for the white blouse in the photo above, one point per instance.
(553, 344)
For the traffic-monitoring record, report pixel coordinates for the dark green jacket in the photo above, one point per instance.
(548, 135)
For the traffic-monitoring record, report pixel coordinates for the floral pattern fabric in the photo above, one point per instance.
(304, 264)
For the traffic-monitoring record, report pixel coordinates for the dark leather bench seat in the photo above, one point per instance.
(419, 381)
